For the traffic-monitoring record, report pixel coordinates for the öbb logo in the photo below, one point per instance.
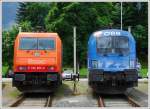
(112, 33)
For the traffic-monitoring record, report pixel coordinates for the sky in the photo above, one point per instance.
(9, 10)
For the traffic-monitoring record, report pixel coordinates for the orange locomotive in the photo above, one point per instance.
(37, 62)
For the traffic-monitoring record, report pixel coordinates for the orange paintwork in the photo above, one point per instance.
(46, 58)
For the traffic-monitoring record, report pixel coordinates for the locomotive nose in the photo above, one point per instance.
(36, 61)
(36, 64)
(114, 64)
(41, 61)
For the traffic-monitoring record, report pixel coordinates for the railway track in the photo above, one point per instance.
(116, 101)
(33, 101)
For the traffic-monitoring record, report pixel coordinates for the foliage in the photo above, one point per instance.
(8, 46)
(143, 72)
(85, 16)
(83, 72)
(33, 14)
(26, 26)
(136, 16)
(4, 70)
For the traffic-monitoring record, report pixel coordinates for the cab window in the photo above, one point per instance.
(46, 44)
(28, 43)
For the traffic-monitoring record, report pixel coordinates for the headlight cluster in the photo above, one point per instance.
(51, 68)
(22, 68)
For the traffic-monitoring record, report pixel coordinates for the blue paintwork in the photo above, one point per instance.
(110, 62)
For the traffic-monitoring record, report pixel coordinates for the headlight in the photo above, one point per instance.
(132, 64)
(22, 68)
(94, 64)
(51, 68)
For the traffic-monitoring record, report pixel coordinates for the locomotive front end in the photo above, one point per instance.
(37, 65)
(112, 61)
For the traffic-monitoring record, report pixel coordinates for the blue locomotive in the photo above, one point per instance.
(112, 62)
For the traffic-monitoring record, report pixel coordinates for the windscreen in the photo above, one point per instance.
(113, 44)
(46, 44)
(28, 43)
(104, 42)
(121, 42)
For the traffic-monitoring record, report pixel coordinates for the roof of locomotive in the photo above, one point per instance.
(33, 34)
(112, 32)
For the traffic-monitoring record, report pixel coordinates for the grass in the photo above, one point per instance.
(15, 93)
(144, 65)
(4, 70)
(144, 69)
(83, 72)
(143, 72)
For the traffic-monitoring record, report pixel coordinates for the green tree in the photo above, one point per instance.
(134, 15)
(85, 16)
(33, 14)
(26, 26)
(8, 46)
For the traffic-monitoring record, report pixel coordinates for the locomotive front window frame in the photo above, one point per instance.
(115, 41)
(48, 46)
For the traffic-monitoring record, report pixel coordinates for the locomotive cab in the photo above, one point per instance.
(37, 62)
(112, 61)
